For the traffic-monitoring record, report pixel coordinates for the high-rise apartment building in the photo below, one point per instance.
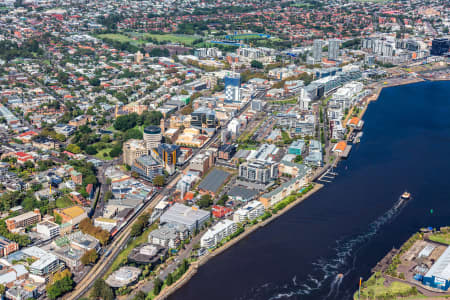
(317, 50)
(333, 49)
(233, 87)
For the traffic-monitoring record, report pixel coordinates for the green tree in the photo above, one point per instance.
(91, 150)
(205, 201)
(133, 133)
(105, 138)
(89, 257)
(63, 78)
(58, 219)
(60, 286)
(157, 284)
(115, 152)
(256, 64)
(94, 81)
(140, 295)
(223, 200)
(123, 123)
(102, 291)
(184, 266)
(90, 179)
(73, 148)
(158, 180)
(169, 279)
(60, 137)
(140, 224)
(28, 164)
(108, 195)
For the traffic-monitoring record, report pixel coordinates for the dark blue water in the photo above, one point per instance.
(353, 222)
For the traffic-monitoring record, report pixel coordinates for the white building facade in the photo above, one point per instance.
(250, 211)
(217, 233)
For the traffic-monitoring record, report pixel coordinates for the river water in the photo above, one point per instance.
(354, 221)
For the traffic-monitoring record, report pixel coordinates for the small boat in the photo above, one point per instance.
(403, 198)
(406, 196)
(340, 276)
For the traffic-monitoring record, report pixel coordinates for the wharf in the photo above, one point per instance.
(346, 152)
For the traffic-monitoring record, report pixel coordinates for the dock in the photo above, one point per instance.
(346, 152)
(328, 176)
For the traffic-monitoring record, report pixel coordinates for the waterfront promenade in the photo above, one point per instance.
(203, 260)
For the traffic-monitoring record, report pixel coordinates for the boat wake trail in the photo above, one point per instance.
(330, 271)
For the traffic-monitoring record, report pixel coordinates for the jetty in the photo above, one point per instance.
(327, 176)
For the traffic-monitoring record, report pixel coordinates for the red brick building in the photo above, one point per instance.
(7, 246)
(76, 177)
(24, 220)
(221, 211)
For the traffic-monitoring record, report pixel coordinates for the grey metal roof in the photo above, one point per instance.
(184, 215)
(214, 180)
(238, 191)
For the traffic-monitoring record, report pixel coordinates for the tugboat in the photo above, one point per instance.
(406, 196)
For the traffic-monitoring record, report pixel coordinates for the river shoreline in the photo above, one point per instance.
(195, 265)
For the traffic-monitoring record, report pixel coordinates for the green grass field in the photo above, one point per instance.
(443, 238)
(374, 288)
(120, 38)
(139, 39)
(63, 202)
(169, 37)
(101, 154)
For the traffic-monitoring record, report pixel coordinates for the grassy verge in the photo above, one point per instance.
(122, 257)
(375, 288)
(443, 238)
(291, 198)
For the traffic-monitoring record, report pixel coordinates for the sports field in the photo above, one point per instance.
(138, 39)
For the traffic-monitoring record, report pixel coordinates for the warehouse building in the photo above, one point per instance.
(180, 214)
(439, 274)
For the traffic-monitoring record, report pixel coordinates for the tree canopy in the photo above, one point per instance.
(89, 257)
(102, 291)
(62, 283)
